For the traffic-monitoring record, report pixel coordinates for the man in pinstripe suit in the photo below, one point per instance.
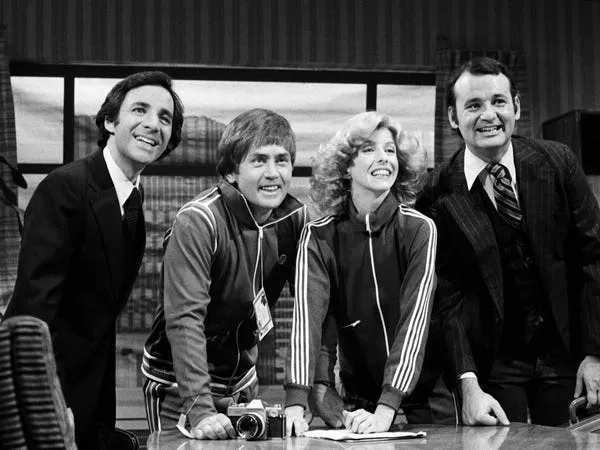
(517, 308)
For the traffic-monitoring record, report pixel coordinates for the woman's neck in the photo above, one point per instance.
(367, 202)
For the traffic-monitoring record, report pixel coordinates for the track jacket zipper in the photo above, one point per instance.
(385, 334)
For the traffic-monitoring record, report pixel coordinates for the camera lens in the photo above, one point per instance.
(250, 426)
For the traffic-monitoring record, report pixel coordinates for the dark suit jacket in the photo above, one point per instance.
(71, 274)
(563, 221)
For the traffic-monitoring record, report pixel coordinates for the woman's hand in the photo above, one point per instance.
(361, 421)
(295, 421)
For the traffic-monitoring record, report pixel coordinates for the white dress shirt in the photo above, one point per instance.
(475, 168)
(122, 184)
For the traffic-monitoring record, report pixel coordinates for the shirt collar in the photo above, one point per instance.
(122, 184)
(475, 165)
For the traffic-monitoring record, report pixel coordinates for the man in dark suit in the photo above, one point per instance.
(83, 242)
(518, 302)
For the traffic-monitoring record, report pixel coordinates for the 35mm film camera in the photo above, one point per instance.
(255, 422)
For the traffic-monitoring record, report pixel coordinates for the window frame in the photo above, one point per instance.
(70, 71)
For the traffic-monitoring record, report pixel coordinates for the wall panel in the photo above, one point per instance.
(560, 37)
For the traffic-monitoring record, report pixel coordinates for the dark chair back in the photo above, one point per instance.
(32, 406)
(12, 435)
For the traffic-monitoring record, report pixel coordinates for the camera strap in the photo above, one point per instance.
(183, 418)
(220, 391)
(181, 426)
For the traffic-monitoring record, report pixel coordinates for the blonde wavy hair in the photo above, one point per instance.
(330, 181)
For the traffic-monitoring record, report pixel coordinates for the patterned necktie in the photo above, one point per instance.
(506, 201)
(132, 209)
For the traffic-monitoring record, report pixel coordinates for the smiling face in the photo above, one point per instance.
(142, 129)
(375, 167)
(263, 177)
(485, 113)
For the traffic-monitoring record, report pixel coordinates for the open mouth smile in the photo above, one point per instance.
(490, 129)
(270, 189)
(381, 173)
(146, 140)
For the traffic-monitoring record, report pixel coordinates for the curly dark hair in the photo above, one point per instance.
(112, 105)
(330, 181)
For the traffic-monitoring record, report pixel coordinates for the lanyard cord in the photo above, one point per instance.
(259, 259)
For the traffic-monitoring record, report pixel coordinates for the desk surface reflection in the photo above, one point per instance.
(517, 436)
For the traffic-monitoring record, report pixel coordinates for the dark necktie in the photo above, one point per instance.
(506, 201)
(132, 210)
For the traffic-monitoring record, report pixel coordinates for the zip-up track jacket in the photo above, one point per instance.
(217, 258)
(375, 274)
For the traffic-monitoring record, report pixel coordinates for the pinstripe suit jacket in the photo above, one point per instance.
(563, 221)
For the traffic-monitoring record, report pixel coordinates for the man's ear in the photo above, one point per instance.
(230, 177)
(109, 126)
(517, 102)
(452, 118)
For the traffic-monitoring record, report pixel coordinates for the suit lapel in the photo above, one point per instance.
(108, 217)
(535, 182)
(476, 225)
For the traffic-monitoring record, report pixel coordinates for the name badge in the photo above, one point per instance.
(264, 322)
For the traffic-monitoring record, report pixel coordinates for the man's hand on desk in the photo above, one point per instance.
(361, 421)
(479, 408)
(217, 426)
(295, 421)
(588, 376)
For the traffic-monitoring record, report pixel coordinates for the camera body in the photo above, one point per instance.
(256, 422)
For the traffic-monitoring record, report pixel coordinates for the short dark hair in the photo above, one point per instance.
(481, 65)
(114, 100)
(249, 130)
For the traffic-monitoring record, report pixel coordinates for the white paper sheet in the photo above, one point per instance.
(345, 435)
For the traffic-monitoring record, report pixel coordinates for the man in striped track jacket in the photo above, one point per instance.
(225, 247)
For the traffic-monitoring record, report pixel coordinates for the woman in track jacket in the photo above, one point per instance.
(371, 266)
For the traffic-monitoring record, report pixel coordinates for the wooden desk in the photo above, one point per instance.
(517, 436)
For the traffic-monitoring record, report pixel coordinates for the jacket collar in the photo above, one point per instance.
(240, 207)
(103, 201)
(474, 166)
(99, 171)
(375, 220)
(476, 225)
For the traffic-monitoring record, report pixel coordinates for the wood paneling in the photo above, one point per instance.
(560, 37)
